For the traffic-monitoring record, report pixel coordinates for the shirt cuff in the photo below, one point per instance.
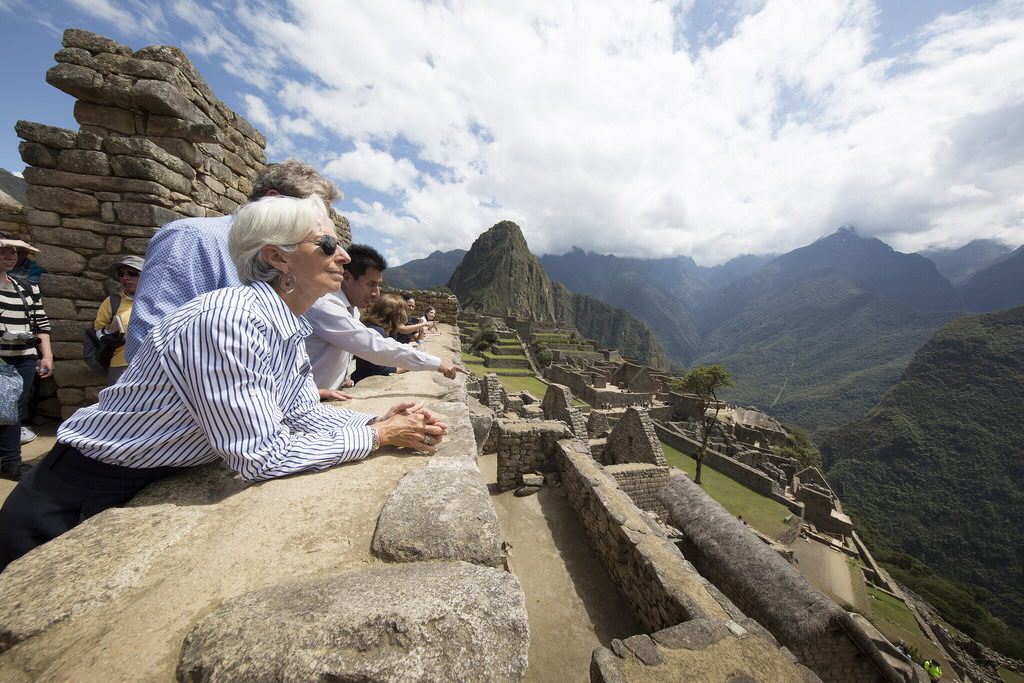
(361, 419)
(362, 442)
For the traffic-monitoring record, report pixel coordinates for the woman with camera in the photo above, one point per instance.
(114, 324)
(24, 345)
(225, 378)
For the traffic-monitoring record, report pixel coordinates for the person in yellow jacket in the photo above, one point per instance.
(933, 668)
(126, 270)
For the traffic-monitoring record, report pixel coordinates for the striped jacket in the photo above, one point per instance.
(21, 310)
(227, 377)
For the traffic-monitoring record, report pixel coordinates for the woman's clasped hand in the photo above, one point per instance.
(410, 425)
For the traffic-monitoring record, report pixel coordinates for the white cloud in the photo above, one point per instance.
(131, 16)
(588, 125)
(373, 168)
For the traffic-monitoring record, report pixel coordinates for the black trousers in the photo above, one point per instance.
(63, 491)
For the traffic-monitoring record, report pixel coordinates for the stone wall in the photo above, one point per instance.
(558, 405)
(735, 470)
(154, 144)
(642, 483)
(524, 447)
(578, 382)
(645, 565)
(633, 439)
(445, 303)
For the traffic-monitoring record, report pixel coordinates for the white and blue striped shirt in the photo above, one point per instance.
(226, 376)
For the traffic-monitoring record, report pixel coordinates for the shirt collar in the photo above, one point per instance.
(287, 322)
(340, 294)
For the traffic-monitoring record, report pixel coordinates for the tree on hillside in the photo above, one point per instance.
(705, 381)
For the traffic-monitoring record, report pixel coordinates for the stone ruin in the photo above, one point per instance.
(154, 144)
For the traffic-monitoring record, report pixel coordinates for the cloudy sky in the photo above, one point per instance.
(634, 127)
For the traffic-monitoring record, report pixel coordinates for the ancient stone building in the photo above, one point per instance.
(154, 144)
(633, 439)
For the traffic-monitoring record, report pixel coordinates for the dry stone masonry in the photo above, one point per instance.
(154, 144)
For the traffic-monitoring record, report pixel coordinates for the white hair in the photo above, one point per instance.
(278, 221)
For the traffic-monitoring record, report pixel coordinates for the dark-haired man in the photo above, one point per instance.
(338, 335)
(189, 257)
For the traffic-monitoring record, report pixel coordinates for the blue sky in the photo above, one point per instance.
(633, 127)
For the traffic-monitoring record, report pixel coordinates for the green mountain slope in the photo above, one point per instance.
(937, 468)
(429, 271)
(819, 334)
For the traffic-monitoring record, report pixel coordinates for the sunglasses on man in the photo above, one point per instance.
(130, 272)
(327, 243)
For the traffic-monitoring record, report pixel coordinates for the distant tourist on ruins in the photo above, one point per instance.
(338, 334)
(933, 667)
(384, 317)
(225, 377)
(24, 345)
(115, 323)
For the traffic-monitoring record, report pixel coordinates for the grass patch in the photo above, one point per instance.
(762, 513)
(518, 383)
(894, 619)
(1010, 676)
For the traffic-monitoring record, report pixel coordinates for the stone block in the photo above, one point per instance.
(147, 169)
(83, 161)
(116, 144)
(37, 154)
(423, 621)
(695, 634)
(167, 126)
(74, 373)
(71, 395)
(60, 260)
(42, 218)
(439, 513)
(163, 99)
(58, 138)
(78, 81)
(182, 149)
(604, 667)
(94, 43)
(87, 140)
(71, 287)
(134, 213)
(112, 118)
(51, 178)
(63, 201)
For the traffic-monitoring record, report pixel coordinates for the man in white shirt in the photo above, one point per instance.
(338, 335)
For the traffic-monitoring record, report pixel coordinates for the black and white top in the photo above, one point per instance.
(21, 310)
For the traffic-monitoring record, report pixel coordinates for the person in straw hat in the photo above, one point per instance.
(110, 322)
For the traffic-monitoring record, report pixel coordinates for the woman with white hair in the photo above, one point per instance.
(225, 377)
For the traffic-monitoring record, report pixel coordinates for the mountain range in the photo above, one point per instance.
(499, 274)
(814, 336)
(936, 466)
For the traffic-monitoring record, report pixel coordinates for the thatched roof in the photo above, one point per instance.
(756, 578)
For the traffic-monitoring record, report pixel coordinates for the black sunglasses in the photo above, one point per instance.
(327, 243)
(131, 272)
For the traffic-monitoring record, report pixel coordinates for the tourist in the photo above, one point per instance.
(114, 324)
(338, 335)
(24, 345)
(225, 377)
(384, 317)
(933, 667)
(189, 257)
(430, 316)
(413, 329)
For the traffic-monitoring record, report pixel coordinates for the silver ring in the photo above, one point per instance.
(426, 439)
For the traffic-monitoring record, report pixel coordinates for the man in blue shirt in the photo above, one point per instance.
(189, 257)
